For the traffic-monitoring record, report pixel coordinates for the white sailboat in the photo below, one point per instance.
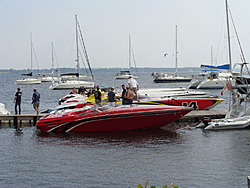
(63, 84)
(77, 75)
(238, 116)
(215, 77)
(126, 74)
(169, 78)
(51, 77)
(29, 80)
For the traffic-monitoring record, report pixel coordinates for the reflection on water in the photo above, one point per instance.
(136, 138)
(125, 159)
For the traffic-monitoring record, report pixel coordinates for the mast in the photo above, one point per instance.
(77, 48)
(52, 59)
(129, 52)
(228, 39)
(211, 55)
(31, 54)
(176, 52)
(84, 49)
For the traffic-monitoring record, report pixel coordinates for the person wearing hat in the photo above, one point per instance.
(133, 84)
(36, 100)
(111, 97)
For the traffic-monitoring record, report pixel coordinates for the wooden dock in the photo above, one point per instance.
(31, 119)
(198, 115)
(19, 120)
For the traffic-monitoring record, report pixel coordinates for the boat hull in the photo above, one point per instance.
(227, 124)
(193, 84)
(71, 84)
(123, 118)
(197, 103)
(170, 80)
(28, 81)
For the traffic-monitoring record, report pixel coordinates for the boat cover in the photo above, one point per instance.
(224, 67)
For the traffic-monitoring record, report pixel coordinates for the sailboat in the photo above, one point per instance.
(52, 77)
(169, 78)
(77, 74)
(212, 77)
(125, 74)
(238, 116)
(63, 84)
(29, 80)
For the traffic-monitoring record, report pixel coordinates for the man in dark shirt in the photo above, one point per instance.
(111, 97)
(98, 95)
(123, 94)
(17, 100)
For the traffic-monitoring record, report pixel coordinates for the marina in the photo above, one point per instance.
(184, 144)
(76, 125)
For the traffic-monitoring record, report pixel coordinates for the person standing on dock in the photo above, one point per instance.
(36, 100)
(17, 101)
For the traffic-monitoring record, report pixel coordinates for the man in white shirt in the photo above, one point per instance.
(133, 84)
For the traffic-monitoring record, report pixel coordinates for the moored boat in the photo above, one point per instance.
(197, 103)
(170, 77)
(69, 84)
(124, 75)
(27, 81)
(3, 110)
(107, 118)
(238, 115)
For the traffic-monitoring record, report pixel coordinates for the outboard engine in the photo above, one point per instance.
(205, 122)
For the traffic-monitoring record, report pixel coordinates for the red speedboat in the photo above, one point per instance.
(196, 102)
(107, 118)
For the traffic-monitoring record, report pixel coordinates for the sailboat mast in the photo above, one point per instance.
(211, 55)
(129, 52)
(31, 55)
(228, 39)
(52, 59)
(77, 48)
(176, 58)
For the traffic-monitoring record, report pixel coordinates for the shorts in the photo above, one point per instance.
(129, 101)
(36, 104)
(134, 89)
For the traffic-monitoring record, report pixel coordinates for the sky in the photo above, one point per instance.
(107, 24)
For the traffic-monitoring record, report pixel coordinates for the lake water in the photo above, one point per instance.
(188, 157)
